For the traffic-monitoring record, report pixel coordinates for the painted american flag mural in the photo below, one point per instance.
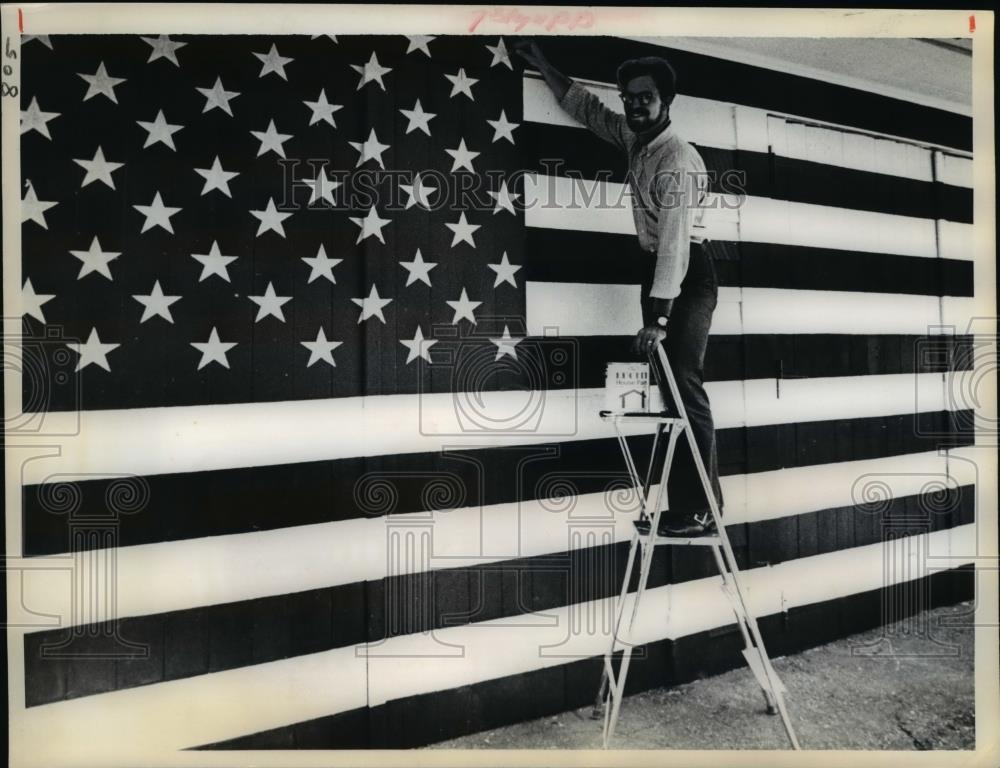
(336, 440)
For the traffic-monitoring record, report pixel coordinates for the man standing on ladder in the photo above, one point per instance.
(669, 184)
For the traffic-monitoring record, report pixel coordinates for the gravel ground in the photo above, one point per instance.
(912, 693)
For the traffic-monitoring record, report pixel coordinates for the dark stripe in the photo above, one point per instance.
(84, 660)
(64, 516)
(795, 356)
(345, 730)
(557, 255)
(578, 154)
(708, 77)
(434, 717)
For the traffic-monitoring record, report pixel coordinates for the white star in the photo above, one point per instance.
(160, 131)
(273, 62)
(504, 198)
(163, 48)
(463, 231)
(370, 225)
(213, 350)
(95, 260)
(34, 119)
(322, 110)
(462, 157)
(214, 263)
(419, 193)
(461, 83)
(464, 308)
(43, 39)
(31, 302)
(321, 265)
(505, 345)
(98, 169)
(321, 188)
(418, 118)
(270, 304)
(503, 128)
(371, 71)
(321, 349)
(271, 140)
(157, 214)
(33, 208)
(218, 97)
(316, 37)
(370, 149)
(371, 305)
(216, 178)
(270, 219)
(155, 303)
(418, 269)
(92, 351)
(419, 43)
(500, 55)
(101, 83)
(418, 346)
(505, 271)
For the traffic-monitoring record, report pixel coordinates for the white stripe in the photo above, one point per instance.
(179, 575)
(774, 310)
(738, 52)
(724, 125)
(127, 727)
(954, 169)
(666, 612)
(199, 438)
(858, 151)
(131, 724)
(584, 309)
(578, 309)
(956, 240)
(558, 202)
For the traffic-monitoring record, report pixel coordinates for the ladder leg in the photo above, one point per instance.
(730, 559)
(602, 689)
(775, 685)
(612, 688)
(616, 696)
(750, 652)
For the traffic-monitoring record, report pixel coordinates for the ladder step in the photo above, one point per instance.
(641, 417)
(687, 541)
(643, 526)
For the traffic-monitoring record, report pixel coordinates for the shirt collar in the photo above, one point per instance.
(663, 136)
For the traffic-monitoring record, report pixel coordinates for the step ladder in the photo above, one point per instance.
(645, 539)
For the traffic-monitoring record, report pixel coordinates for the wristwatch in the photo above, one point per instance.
(662, 321)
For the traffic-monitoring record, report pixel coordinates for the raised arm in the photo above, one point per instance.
(576, 100)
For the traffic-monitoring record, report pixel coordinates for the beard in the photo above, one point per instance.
(640, 120)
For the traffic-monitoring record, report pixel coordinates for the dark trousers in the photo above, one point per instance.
(685, 344)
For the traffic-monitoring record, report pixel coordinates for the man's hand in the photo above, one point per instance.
(647, 338)
(528, 50)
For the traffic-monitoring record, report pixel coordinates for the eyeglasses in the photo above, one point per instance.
(642, 98)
